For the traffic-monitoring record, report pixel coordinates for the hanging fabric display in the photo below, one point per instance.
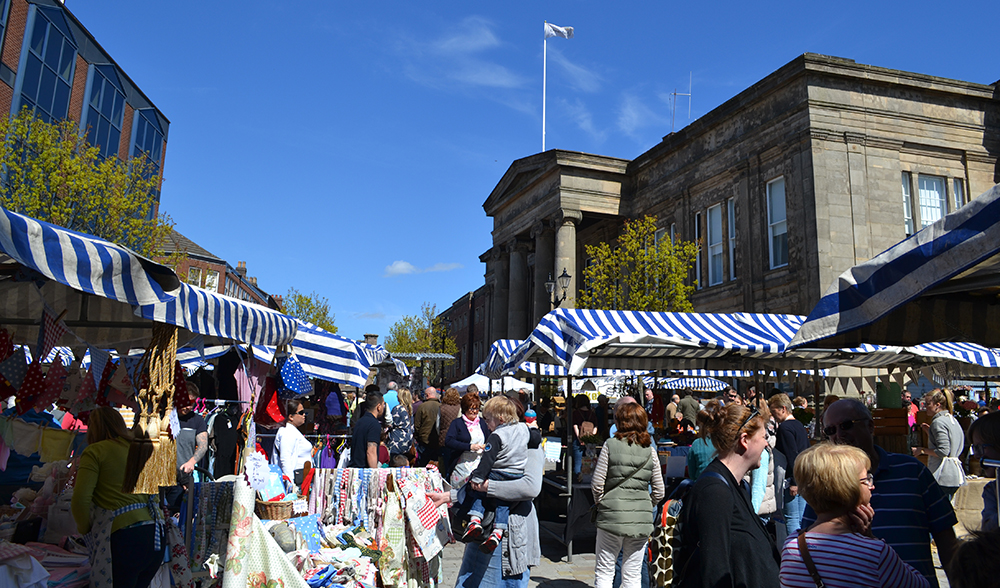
(152, 457)
(294, 381)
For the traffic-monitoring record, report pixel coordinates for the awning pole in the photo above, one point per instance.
(570, 437)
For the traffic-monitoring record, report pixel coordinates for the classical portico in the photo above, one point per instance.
(537, 208)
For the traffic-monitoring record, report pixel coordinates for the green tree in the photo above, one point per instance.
(311, 308)
(639, 272)
(422, 333)
(51, 173)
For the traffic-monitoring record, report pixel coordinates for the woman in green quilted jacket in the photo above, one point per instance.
(626, 468)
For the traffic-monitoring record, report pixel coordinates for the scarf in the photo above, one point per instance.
(470, 424)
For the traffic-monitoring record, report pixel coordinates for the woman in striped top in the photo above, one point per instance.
(834, 480)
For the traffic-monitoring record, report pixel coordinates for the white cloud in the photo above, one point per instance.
(579, 77)
(402, 268)
(378, 316)
(584, 119)
(459, 55)
(634, 115)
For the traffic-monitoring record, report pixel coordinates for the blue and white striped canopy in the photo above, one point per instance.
(84, 262)
(608, 339)
(940, 284)
(700, 384)
(216, 315)
(331, 357)
(501, 350)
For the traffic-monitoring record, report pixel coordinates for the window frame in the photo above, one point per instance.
(192, 271)
(28, 52)
(942, 200)
(714, 245)
(909, 222)
(697, 261)
(731, 225)
(772, 224)
(958, 193)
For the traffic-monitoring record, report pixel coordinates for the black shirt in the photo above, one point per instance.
(192, 425)
(367, 430)
(791, 440)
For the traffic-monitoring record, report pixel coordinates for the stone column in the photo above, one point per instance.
(501, 285)
(544, 257)
(565, 224)
(517, 302)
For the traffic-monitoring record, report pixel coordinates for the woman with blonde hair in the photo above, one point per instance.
(627, 466)
(835, 482)
(946, 441)
(401, 425)
(100, 508)
(725, 542)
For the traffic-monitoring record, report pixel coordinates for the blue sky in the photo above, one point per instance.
(347, 148)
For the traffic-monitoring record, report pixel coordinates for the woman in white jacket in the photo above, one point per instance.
(946, 440)
(291, 450)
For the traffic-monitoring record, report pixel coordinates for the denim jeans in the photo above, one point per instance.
(577, 457)
(794, 509)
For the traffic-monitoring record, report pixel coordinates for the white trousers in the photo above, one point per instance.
(608, 546)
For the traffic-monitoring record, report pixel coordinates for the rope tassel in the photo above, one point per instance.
(152, 456)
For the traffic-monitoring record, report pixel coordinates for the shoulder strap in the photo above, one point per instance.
(629, 477)
(807, 559)
(712, 474)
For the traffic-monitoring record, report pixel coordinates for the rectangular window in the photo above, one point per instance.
(933, 201)
(658, 235)
(148, 137)
(715, 245)
(194, 276)
(958, 188)
(777, 226)
(697, 238)
(731, 221)
(907, 205)
(212, 280)
(105, 110)
(48, 66)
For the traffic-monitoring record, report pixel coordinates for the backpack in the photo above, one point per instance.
(665, 540)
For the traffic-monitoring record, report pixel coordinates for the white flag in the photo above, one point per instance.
(552, 30)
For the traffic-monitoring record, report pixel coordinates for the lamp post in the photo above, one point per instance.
(550, 286)
(444, 335)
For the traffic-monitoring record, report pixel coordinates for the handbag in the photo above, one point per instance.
(807, 559)
(594, 508)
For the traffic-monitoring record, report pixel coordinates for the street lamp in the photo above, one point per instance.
(550, 286)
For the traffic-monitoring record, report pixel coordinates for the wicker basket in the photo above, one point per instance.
(276, 510)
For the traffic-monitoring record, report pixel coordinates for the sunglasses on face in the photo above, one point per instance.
(844, 426)
(301, 412)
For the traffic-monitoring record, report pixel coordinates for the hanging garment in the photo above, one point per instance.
(226, 433)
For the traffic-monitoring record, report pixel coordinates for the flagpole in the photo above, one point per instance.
(545, 59)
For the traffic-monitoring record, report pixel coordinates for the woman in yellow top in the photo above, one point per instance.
(102, 510)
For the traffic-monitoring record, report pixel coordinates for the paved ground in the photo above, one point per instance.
(553, 571)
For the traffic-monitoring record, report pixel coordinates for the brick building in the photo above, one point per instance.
(817, 167)
(52, 65)
(198, 266)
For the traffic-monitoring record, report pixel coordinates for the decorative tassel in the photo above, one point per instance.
(152, 456)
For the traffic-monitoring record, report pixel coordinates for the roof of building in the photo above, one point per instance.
(178, 242)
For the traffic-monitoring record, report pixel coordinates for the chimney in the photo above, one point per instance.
(253, 281)
(241, 268)
(371, 339)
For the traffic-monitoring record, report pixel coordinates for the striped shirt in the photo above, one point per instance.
(909, 508)
(847, 561)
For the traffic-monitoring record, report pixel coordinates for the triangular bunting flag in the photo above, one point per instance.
(30, 388)
(71, 386)
(858, 383)
(900, 377)
(872, 382)
(14, 368)
(49, 334)
(53, 387)
(181, 397)
(6, 347)
(120, 380)
(98, 359)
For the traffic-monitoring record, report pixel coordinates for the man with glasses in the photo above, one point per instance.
(909, 505)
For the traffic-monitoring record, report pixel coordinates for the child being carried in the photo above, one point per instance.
(504, 458)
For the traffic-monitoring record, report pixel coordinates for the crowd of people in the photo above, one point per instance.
(772, 500)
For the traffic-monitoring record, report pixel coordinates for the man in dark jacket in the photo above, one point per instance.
(425, 428)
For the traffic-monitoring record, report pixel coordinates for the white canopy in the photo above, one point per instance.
(483, 383)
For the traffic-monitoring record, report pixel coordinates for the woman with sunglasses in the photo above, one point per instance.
(834, 480)
(724, 542)
(291, 450)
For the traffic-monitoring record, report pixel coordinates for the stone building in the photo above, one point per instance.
(819, 166)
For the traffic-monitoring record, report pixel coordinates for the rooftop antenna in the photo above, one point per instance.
(675, 94)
